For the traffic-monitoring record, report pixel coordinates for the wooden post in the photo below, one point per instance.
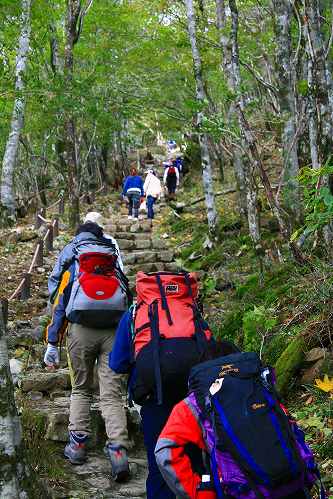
(62, 205)
(56, 227)
(39, 259)
(92, 197)
(38, 221)
(49, 239)
(3, 313)
(25, 291)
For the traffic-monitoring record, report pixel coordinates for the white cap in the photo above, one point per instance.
(95, 217)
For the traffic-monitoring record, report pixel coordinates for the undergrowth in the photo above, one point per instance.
(262, 302)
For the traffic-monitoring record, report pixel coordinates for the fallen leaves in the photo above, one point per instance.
(326, 385)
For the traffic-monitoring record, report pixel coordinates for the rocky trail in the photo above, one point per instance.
(43, 396)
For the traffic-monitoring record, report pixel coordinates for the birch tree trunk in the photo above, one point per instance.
(228, 72)
(72, 16)
(207, 177)
(9, 159)
(16, 482)
(245, 172)
(286, 74)
(321, 97)
(320, 78)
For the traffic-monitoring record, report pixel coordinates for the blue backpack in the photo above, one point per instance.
(255, 450)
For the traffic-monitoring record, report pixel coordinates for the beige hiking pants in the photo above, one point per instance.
(85, 346)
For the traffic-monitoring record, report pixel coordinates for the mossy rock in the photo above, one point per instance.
(289, 362)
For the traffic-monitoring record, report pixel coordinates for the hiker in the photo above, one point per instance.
(133, 190)
(250, 446)
(87, 269)
(171, 180)
(178, 163)
(157, 343)
(152, 189)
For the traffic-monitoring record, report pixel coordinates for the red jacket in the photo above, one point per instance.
(181, 428)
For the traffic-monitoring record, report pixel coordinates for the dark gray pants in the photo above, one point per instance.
(134, 204)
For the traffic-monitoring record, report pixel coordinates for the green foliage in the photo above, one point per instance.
(256, 324)
(303, 87)
(42, 455)
(318, 199)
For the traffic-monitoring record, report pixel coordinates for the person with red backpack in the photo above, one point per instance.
(171, 179)
(251, 447)
(90, 293)
(157, 342)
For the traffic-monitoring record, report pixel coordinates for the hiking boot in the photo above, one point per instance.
(130, 217)
(119, 462)
(76, 449)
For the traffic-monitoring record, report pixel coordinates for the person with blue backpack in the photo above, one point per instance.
(89, 293)
(251, 447)
(133, 190)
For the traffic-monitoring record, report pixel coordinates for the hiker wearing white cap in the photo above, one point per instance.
(152, 189)
(89, 293)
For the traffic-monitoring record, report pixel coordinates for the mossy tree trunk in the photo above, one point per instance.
(16, 482)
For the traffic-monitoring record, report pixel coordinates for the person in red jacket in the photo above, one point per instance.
(180, 451)
(182, 430)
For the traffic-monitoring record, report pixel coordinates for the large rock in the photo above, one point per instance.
(316, 354)
(46, 381)
(309, 375)
(24, 337)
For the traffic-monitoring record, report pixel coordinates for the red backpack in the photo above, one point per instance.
(170, 335)
(171, 171)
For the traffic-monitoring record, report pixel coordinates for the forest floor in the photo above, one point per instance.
(260, 302)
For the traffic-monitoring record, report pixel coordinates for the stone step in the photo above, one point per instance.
(124, 222)
(141, 226)
(141, 257)
(55, 413)
(130, 235)
(127, 245)
(132, 270)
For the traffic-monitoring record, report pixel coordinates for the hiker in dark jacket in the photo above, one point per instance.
(85, 346)
(171, 180)
(133, 190)
(153, 416)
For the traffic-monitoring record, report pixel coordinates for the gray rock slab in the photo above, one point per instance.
(45, 381)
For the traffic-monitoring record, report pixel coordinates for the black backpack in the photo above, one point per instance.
(253, 445)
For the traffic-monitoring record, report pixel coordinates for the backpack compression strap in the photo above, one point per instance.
(165, 305)
(155, 333)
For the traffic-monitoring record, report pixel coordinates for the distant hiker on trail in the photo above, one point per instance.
(249, 446)
(157, 342)
(89, 293)
(178, 163)
(171, 180)
(133, 190)
(152, 188)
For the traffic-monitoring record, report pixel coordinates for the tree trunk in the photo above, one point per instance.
(286, 75)
(16, 482)
(9, 159)
(321, 79)
(207, 176)
(248, 171)
(227, 67)
(73, 12)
